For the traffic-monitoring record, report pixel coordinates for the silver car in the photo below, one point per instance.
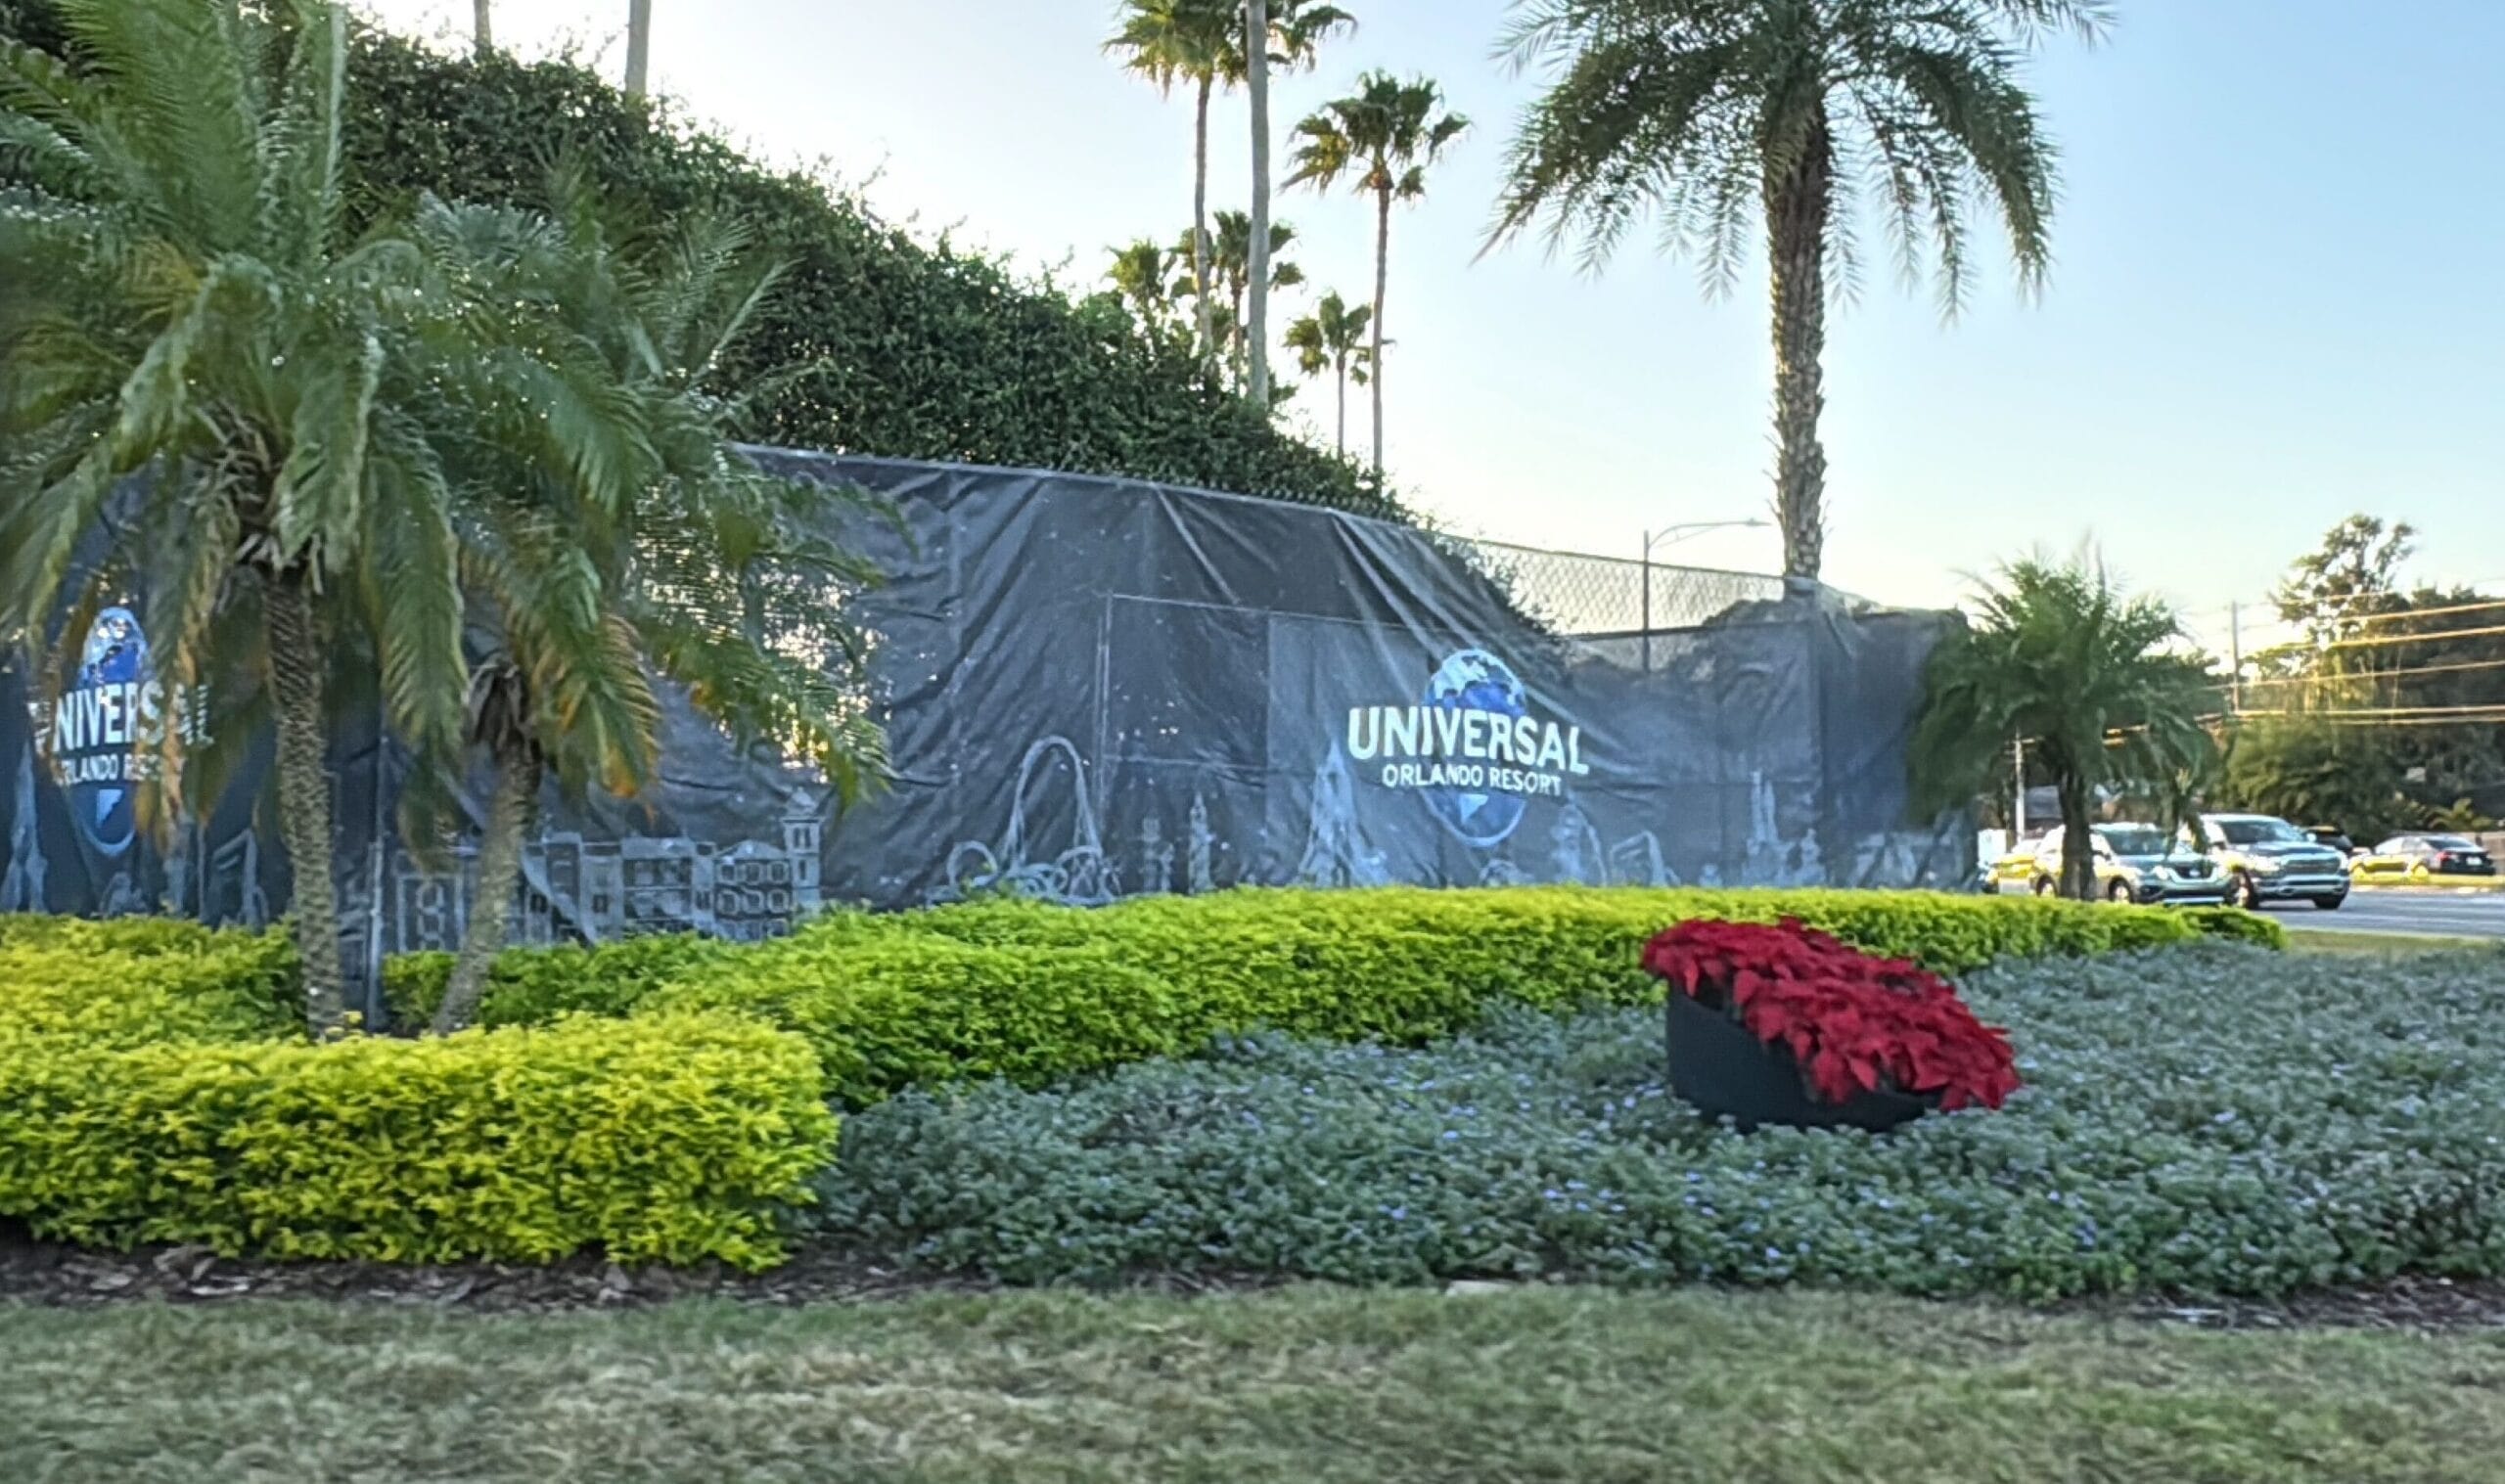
(2136, 863)
(2270, 859)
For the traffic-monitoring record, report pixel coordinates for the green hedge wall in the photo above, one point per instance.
(1034, 993)
(921, 350)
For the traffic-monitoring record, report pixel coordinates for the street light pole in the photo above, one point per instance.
(1644, 565)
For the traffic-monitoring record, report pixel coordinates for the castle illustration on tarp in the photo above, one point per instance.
(601, 890)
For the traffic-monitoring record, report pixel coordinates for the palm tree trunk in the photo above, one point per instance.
(491, 906)
(1256, 77)
(639, 46)
(1341, 361)
(296, 668)
(1798, 205)
(2078, 848)
(482, 26)
(1381, 279)
(1199, 223)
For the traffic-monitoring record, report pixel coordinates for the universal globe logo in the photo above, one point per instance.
(1473, 749)
(101, 738)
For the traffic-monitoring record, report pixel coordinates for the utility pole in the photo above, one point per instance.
(2018, 773)
(2234, 660)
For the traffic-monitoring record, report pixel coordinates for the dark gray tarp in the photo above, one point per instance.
(1100, 688)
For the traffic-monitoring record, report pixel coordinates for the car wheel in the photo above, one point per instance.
(2239, 893)
(2120, 892)
(2331, 904)
(2044, 886)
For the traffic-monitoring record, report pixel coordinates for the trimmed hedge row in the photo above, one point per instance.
(141, 980)
(156, 1086)
(669, 1138)
(1034, 993)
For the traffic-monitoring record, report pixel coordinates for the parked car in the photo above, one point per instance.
(2423, 858)
(2270, 859)
(2136, 863)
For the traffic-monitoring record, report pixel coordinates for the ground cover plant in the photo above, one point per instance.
(1314, 1386)
(2217, 1119)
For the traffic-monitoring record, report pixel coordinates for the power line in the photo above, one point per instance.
(2388, 640)
(2377, 675)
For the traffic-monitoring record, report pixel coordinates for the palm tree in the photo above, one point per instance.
(716, 578)
(639, 46)
(482, 26)
(1143, 274)
(1286, 34)
(2087, 677)
(1171, 41)
(1705, 113)
(184, 305)
(1333, 339)
(1229, 253)
(1382, 138)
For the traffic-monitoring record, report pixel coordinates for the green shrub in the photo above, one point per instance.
(887, 1015)
(535, 985)
(2236, 926)
(1032, 992)
(673, 1137)
(2216, 1119)
(135, 980)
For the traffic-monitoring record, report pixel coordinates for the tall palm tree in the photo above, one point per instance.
(183, 304)
(718, 576)
(1712, 113)
(1185, 41)
(1286, 34)
(1382, 138)
(482, 26)
(2094, 681)
(639, 46)
(1333, 339)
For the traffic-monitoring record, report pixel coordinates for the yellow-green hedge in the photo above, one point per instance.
(670, 1138)
(137, 980)
(1033, 992)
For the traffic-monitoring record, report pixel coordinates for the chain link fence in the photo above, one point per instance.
(1598, 600)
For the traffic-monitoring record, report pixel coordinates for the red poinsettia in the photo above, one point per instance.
(1853, 1021)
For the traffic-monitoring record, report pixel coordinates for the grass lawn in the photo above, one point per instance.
(1314, 1384)
(2371, 944)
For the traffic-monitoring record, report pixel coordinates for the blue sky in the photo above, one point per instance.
(2277, 298)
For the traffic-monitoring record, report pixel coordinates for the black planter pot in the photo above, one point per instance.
(1717, 1065)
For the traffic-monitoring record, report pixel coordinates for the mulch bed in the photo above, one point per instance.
(56, 1274)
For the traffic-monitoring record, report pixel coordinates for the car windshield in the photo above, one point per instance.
(2259, 833)
(2133, 839)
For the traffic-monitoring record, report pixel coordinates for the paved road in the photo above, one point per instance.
(2430, 913)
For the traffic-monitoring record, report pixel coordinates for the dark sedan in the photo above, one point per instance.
(2424, 858)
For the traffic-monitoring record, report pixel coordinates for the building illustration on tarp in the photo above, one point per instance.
(593, 890)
